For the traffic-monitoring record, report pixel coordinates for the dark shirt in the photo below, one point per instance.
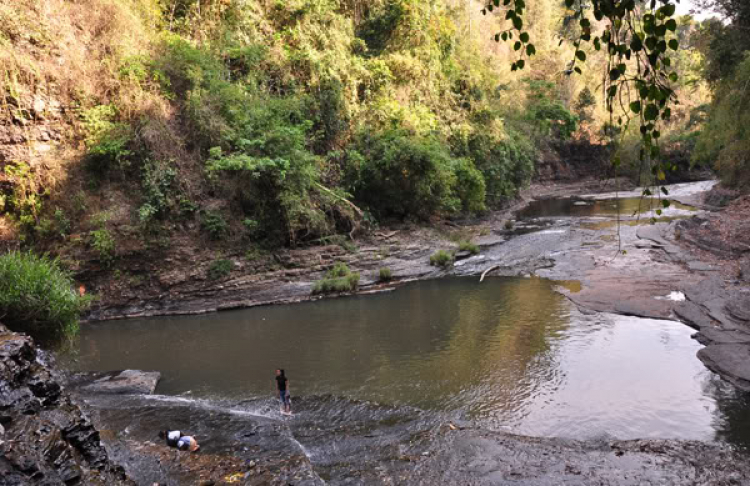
(281, 383)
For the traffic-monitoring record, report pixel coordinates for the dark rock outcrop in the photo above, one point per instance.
(45, 437)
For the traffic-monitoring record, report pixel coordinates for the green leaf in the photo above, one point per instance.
(635, 107)
(651, 112)
(668, 10)
(504, 36)
(577, 69)
(517, 22)
(525, 37)
(671, 25)
(521, 63)
(666, 202)
(674, 44)
(665, 191)
(517, 46)
(581, 55)
(530, 50)
(636, 44)
(673, 77)
(614, 74)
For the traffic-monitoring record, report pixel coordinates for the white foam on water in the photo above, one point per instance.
(264, 412)
(304, 450)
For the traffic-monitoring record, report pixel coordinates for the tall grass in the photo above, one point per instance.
(37, 296)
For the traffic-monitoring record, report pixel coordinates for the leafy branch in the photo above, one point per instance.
(638, 38)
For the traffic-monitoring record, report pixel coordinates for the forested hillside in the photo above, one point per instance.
(131, 124)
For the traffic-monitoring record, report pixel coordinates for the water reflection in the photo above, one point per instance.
(510, 353)
(626, 207)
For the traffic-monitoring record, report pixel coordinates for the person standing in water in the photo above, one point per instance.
(282, 386)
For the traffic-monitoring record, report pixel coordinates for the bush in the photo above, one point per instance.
(156, 184)
(37, 296)
(441, 258)
(505, 160)
(214, 224)
(468, 246)
(219, 269)
(398, 174)
(338, 279)
(104, 245)
(549, 115)
(107, 139)
(385, 275)
(271, 173)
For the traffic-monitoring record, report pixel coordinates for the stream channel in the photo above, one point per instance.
(371, 374)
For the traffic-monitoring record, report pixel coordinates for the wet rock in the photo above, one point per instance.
(127, 382)
(731, 361)
(46, 438)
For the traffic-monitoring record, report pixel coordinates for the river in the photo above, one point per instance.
(509, 354)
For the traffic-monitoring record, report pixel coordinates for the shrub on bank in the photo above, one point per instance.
(441, 258)
(385, 274)
(468, 246)
(37, 296)
(338, 279)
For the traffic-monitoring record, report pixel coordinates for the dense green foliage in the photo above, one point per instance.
(724, 139)
(395, 173)
(234, 123)
(37, 296)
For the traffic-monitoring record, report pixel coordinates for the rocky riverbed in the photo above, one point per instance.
(632, 268)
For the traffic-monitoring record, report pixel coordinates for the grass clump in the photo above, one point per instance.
(385, 274)
(37, 296)
(338, 279)
(441, 258)
(219, 269)
(468, 246)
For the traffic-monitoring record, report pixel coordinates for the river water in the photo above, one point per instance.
(509, 354)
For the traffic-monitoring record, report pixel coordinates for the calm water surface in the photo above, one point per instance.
(510, 353)
(625, 207)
